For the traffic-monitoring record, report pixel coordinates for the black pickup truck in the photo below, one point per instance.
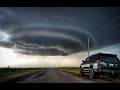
(101, 63)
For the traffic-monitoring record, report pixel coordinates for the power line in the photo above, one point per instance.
(107, 30)
(109, 23)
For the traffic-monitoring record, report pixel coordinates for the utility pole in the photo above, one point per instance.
(88, 48)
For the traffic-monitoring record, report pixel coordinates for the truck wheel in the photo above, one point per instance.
(81, 72)
(92, 74)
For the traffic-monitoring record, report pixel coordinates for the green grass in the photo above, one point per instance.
(10, 74)
(71, 69)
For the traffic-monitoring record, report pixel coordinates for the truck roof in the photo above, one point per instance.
(106, 54)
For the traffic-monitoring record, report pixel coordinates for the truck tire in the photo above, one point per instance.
(92, 74)
(81, 72)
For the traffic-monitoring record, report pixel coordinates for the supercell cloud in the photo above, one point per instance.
(58, 31)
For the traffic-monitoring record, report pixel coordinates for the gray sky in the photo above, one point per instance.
(54, 31)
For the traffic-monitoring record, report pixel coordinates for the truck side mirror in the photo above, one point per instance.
(83, 61)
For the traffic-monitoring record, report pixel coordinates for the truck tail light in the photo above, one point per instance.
(98, 61)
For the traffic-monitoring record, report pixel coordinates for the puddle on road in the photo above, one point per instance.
(39, 75)
(33, 77)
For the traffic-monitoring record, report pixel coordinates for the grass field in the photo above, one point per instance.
(71, 69)
(7, 75)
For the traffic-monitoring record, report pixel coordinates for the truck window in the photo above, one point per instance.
(109, 58)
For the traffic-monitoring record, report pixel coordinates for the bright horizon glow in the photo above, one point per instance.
(9, 58)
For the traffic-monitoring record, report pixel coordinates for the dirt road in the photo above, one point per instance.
(54, 76)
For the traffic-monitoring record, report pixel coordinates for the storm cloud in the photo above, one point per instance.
(58, 30)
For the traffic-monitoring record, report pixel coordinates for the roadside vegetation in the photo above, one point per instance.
(15, 74)
(102, 79)
(75, 70)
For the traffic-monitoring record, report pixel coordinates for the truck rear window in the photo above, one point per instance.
(109, 58)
